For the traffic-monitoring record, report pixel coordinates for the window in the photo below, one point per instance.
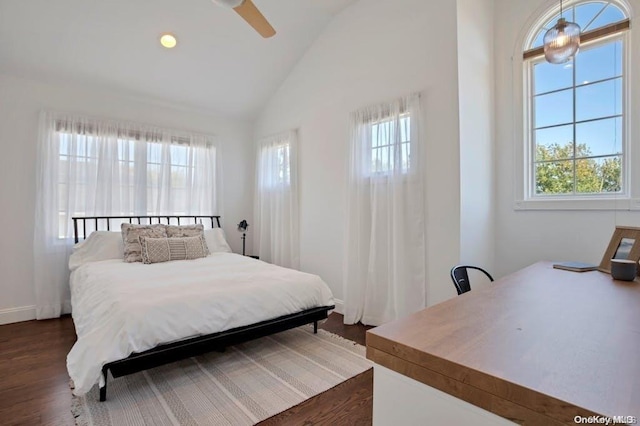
(104, 170)
(576, 112)
(283, 165)
(391, 145)
(140, 176)
(274, 163)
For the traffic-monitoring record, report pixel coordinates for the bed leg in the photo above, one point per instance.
(103, 389)
(315, 327)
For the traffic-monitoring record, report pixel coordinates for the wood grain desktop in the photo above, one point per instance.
(540, 346)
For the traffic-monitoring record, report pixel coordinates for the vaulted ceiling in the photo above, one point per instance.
(220, 64)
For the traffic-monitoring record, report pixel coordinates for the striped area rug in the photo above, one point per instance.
(242, 386)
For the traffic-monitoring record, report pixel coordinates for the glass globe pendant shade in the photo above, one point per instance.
(561, 42)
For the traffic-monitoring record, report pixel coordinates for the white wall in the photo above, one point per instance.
(524, 237)
(373, 51)
(20, 102)
(476, 88)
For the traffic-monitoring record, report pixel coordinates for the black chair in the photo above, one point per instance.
(460, 277)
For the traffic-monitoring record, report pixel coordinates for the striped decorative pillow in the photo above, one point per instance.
(155, 250)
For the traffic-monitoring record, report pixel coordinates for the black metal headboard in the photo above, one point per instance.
(95, 222)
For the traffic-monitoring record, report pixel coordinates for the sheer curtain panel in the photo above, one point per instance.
(276, 200)
(94, 167)
(384, 270)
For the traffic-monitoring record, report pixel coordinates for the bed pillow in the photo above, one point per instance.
(156, 250)
(216, 241)
(179, 231)
(131, 236)
(99, 245)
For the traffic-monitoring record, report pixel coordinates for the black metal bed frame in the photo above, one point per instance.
(97, 220)
(171, 352)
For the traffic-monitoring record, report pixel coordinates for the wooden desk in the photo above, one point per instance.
(538, 347)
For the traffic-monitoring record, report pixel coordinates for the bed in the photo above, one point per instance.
(131, 317)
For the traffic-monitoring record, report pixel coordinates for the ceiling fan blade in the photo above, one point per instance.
(250, 13)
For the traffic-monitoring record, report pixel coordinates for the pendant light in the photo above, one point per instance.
(561, 42)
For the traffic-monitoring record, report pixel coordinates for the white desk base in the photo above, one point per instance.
(400, 400)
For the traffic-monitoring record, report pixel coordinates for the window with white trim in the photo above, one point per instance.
(576, 112)
(391, 145)
(283, 166)
(141, 178)
(274, 162)
(106, 170)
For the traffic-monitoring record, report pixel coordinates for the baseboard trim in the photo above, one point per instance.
(18, 314)
(339, 306)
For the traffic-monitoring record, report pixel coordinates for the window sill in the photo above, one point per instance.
(620, 203)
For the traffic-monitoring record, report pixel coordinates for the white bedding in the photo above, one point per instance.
(120, 308)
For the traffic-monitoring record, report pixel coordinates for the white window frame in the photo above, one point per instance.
(525, 197)
(371, 149)
(284, 168)
(140, 163)
(281, 174)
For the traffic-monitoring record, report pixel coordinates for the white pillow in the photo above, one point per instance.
(216, 241)
(100, 245)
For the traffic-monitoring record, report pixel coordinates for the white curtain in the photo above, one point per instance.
(94, 167)
(276, 200)
(384, 274)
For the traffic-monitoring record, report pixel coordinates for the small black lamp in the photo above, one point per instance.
(242, 227)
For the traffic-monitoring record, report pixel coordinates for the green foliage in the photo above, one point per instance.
(555, 171)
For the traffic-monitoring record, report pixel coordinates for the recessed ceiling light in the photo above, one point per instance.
(168, 40)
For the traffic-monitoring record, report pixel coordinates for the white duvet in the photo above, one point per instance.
(120, 308)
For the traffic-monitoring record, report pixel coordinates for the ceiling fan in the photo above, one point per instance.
(250, 13)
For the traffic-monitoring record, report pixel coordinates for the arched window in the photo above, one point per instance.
(576, 112)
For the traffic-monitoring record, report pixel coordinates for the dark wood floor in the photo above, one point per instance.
(34, 385)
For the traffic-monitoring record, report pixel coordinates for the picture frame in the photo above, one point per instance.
(624, 244)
